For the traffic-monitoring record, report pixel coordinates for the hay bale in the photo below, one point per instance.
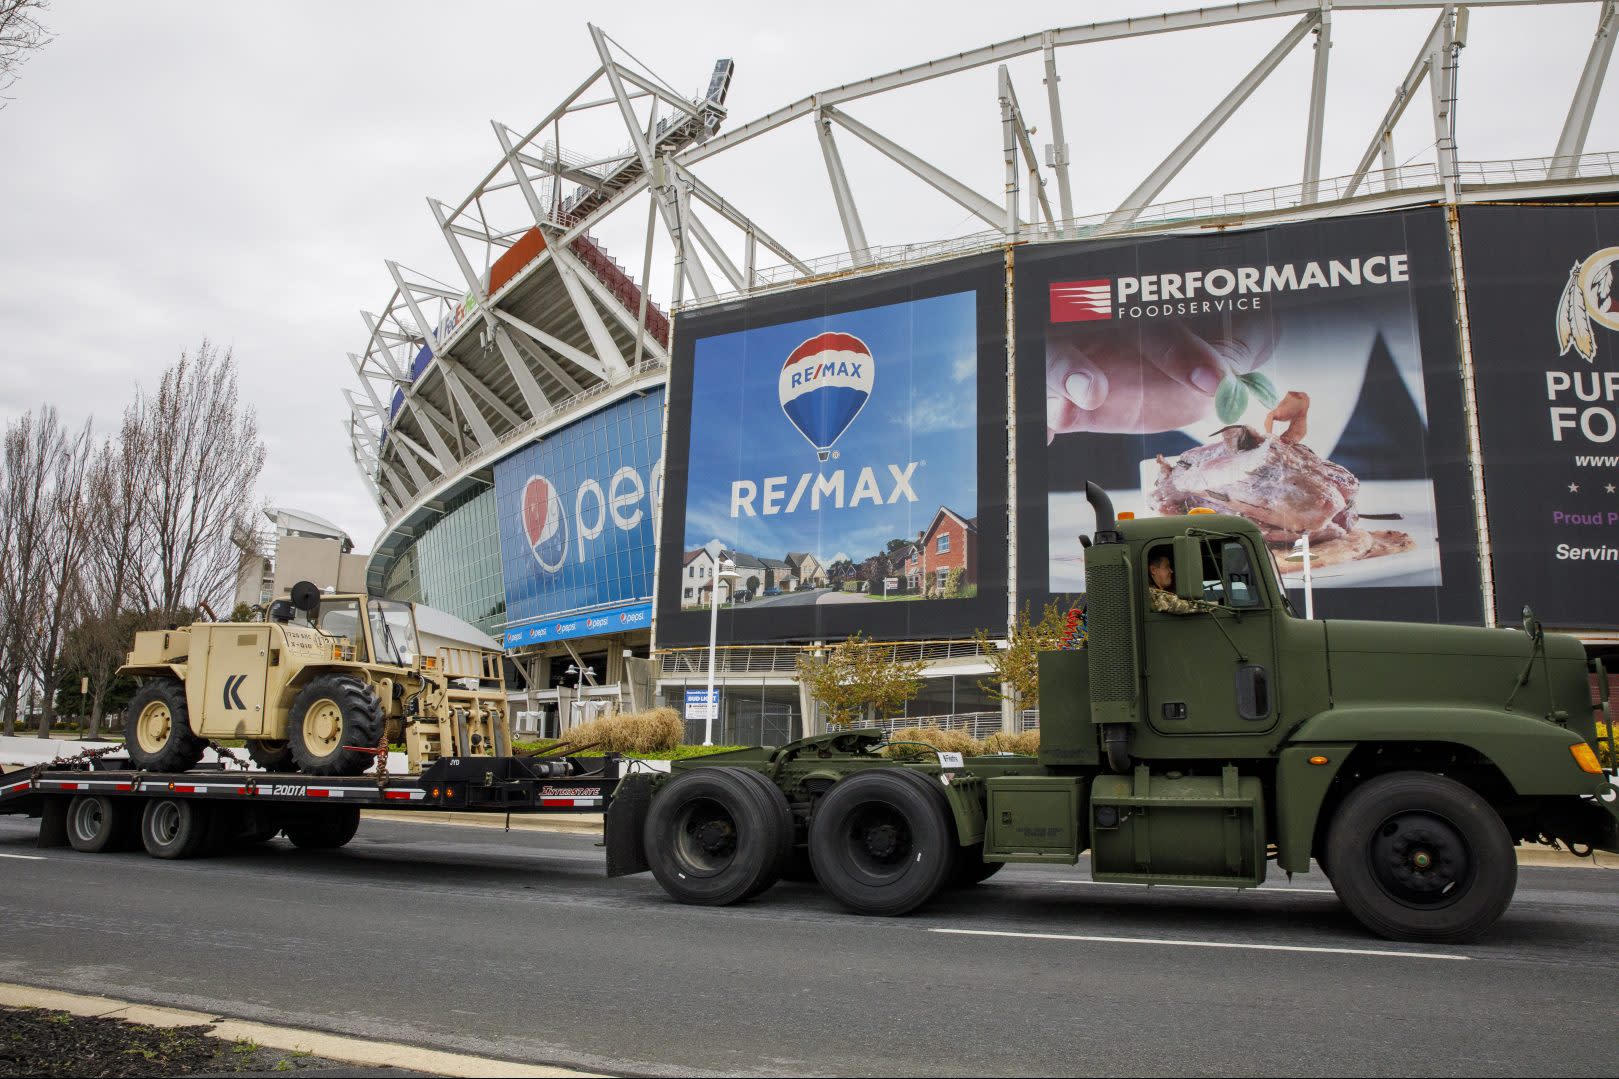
(656, 731)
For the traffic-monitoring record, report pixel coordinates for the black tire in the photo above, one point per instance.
(270, 755)
(329, 714)
(324, 829)
(971, 868)
(883, 842)
(175, 828)
(158, 728)
(712, 836)
(97, 824)
(260, 824)
(1421, 857)
(782, 826)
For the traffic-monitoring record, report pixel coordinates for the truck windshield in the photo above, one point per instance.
(340, 618)
(394, 631)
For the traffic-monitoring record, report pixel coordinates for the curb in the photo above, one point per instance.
(575, 823)
(287, 1039)
(1537, 855)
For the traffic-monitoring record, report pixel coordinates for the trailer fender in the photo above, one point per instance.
(1302, 781)
(626, 820)
(1532, 753)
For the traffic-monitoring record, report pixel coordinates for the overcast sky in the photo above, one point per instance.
(170, 171)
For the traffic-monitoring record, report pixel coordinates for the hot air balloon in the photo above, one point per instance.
(825, 383)
(545, 523)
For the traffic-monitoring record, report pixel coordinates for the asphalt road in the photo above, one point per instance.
(514, 945)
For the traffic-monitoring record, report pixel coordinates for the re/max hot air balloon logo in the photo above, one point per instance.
(824, 384)
(544, 523)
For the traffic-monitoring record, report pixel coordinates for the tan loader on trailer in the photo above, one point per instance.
(323, 695)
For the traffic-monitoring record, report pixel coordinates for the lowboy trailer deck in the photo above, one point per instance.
(93, 808)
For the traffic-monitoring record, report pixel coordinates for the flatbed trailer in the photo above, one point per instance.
(95, 807)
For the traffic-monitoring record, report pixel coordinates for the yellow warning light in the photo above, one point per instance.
(1125, 515)
(1318, 760)
(1199, 509)
(1586, 758)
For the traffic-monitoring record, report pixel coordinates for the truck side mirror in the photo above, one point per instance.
(1188, 567)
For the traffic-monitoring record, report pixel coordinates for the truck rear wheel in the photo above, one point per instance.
(781, 826)
(271, 755)
(324, 829)
(174, 828)
(330, 713)
(1421, 857)
(96, 824)
(712, 837)
(158, 728)
(883, 842)
(971, 868)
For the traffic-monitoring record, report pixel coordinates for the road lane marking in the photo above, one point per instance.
(1202, 944)
(25, 857)
(1198, 887)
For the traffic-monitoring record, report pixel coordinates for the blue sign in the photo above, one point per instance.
(617, 620)
(576, 535)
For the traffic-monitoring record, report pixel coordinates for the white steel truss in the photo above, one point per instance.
(544, 322)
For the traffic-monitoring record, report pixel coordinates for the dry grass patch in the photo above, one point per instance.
(657, 731)
(1027, 743)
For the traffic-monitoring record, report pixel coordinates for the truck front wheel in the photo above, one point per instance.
(330, 715)
(883, 841)
(712, 837)
(158, 725)
(1421, 857)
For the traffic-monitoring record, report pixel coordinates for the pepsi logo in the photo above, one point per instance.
(824, 384)
(545, 523)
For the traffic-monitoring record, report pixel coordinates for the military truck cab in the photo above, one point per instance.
(1204, 731)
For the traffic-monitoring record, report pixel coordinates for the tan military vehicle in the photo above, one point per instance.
(321, 687)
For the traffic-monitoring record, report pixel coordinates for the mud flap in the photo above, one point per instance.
(626, 818)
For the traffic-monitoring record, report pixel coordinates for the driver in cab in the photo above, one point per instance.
(1161, 594)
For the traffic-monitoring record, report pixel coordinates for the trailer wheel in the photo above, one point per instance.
(174, 828)
(971, 868)
(332, 712)
(882, 842)
(271, 755)
(324, 829)
(1421, 857)
(158, 725)
(712, 837)
(97, 824)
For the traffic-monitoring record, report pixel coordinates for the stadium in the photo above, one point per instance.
(624, 402)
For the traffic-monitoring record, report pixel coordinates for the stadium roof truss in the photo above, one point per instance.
(544, 323)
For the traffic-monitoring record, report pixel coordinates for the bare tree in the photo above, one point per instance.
(206, 457)
(32, 445)
(66, 534)
(21, 35)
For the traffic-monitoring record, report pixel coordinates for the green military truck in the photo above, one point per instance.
(1187, 749)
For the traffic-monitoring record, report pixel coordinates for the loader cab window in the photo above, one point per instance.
(340, 618)
(393, 632)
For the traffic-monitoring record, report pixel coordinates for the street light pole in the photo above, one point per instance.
(722, 569)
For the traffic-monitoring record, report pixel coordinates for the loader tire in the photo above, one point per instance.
(271, 755)
(712, 837)
(328, 717)
(883, 842)
(159, 737)
(322, 829)
(1421, 857)
(175, 827)
(97, 824)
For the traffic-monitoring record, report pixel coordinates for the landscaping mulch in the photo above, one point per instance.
(34, 1041)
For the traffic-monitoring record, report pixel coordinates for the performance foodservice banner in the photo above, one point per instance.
(842, 451)
(576, 529)
(1304, 376)
(1544, 322)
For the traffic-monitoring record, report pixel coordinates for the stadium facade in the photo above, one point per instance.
(891, 441)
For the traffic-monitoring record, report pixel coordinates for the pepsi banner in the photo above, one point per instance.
(1305, 376)
(837, 462)
(1544, 317)
(576, 525)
